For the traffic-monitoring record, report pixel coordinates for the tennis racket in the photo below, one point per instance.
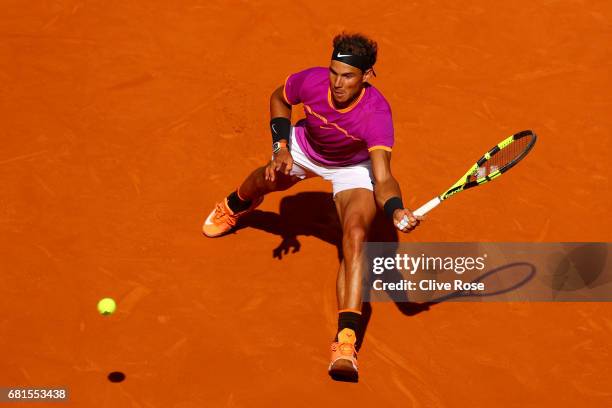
(491, 165)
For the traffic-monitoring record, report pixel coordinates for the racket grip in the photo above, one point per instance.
(427, 207)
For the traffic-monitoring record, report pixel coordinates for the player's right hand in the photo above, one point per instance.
(405, 220)
(281, 162)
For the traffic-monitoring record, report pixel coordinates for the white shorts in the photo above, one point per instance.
(342, 178)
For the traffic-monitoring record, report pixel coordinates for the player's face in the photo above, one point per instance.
(345, 82)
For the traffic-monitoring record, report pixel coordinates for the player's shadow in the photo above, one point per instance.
(314, 214)
(302, 214)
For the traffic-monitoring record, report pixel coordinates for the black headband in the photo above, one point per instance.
(357, 61)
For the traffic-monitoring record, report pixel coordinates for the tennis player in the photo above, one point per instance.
(346, 138)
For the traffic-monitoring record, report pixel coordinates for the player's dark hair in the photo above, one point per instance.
(356, 44)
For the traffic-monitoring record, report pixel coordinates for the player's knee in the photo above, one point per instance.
(353, 237)
(265, 185)
(281, 182)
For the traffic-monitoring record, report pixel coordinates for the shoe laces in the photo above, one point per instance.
(345, 348)
(222, 215)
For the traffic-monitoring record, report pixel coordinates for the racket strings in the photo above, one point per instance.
(502, 158)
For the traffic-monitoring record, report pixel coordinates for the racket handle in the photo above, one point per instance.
(427, 207)
(421, 211)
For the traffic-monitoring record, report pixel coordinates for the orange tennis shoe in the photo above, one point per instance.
(343, 365)
(222, 219)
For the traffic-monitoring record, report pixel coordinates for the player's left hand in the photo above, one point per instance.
(281, 162)
(405, 221)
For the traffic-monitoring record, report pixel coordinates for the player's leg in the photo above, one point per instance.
(256, 185)
(252, 190)
(356, 209)
(340, 285)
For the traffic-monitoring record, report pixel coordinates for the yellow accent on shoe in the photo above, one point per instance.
(347, 336)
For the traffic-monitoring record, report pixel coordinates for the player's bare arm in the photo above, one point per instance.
(280, 112)
(387, 190)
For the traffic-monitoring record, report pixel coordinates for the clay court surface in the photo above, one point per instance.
(122, 124)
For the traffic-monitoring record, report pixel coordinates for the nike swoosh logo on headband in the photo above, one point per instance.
(343, 55)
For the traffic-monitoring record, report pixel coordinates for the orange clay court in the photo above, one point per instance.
(123, 122)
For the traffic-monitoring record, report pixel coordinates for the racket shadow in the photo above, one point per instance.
(531, 272)
(411, 308)
(314, 214)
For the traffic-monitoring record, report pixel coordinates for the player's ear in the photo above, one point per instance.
(367, 75)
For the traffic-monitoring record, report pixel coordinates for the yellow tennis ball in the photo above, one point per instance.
(107, 306)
